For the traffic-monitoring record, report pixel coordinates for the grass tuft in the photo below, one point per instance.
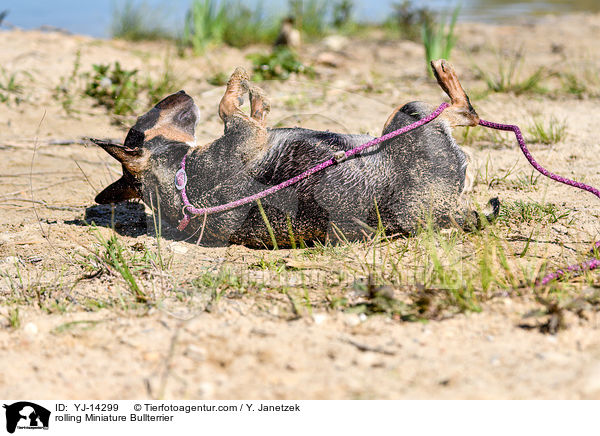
(120, 90)
(115, 258)
(11, 90)
(526, 212)
(439, 38)
(210, 23)
(205, 24)
(547, 133)
(310, 16)
(278, 65)
(138, 22)
(408, 20)
(507, 78)
(13, 318)
(246, 26)
(115, 88)
(267, 224)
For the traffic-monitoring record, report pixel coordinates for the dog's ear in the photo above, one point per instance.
(126, 188)
(131, 155)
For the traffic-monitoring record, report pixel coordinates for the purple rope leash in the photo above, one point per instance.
(181, 177)
(587, 265)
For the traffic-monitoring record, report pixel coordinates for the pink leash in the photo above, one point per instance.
(340, 156)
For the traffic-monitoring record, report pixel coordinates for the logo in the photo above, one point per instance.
(26, 415)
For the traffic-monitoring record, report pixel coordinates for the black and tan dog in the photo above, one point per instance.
(400, 183)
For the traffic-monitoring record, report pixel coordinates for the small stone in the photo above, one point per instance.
(206, 389)
(151, 356)
(335, 42)
(319, 318)
(328, 59)
(368, 359)
(178, 248)
(352, 320)
(195, 353)
(30, 329)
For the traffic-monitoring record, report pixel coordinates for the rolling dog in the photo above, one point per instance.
(399, 184)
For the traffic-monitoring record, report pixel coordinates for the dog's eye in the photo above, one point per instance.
(185, 118)
(134, 139)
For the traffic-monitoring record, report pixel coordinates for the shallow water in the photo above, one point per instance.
(94, 17)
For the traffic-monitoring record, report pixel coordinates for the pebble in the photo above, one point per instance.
(368, 359)
(30, 329)
(195, 352)
(319, 318)
(335, 42)
(178, 248)
(352, 320)
(206, 389)
(151, 356)
(328, 59)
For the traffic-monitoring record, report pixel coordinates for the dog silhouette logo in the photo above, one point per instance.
(26, 415)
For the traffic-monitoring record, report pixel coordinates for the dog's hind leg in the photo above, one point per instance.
(237, 86)
(460, 113)
(259, 104)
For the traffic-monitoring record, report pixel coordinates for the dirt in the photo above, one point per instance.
(80, 334)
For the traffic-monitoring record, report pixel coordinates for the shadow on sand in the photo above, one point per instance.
(127, 219)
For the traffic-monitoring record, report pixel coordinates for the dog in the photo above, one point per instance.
(399, 185)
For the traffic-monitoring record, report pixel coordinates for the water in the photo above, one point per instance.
(94, 17)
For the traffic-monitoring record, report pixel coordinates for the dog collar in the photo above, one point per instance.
(180, 183)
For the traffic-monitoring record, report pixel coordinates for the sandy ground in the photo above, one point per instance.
(252, 344)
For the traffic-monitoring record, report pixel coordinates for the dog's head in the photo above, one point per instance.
(167, 126)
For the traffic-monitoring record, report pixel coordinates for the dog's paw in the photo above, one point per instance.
(492, 209)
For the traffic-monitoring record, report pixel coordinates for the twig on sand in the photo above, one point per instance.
(41, 188)
(85, 175)
(42, 202)
(35, 173)
(168, 359)
(364, 347)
